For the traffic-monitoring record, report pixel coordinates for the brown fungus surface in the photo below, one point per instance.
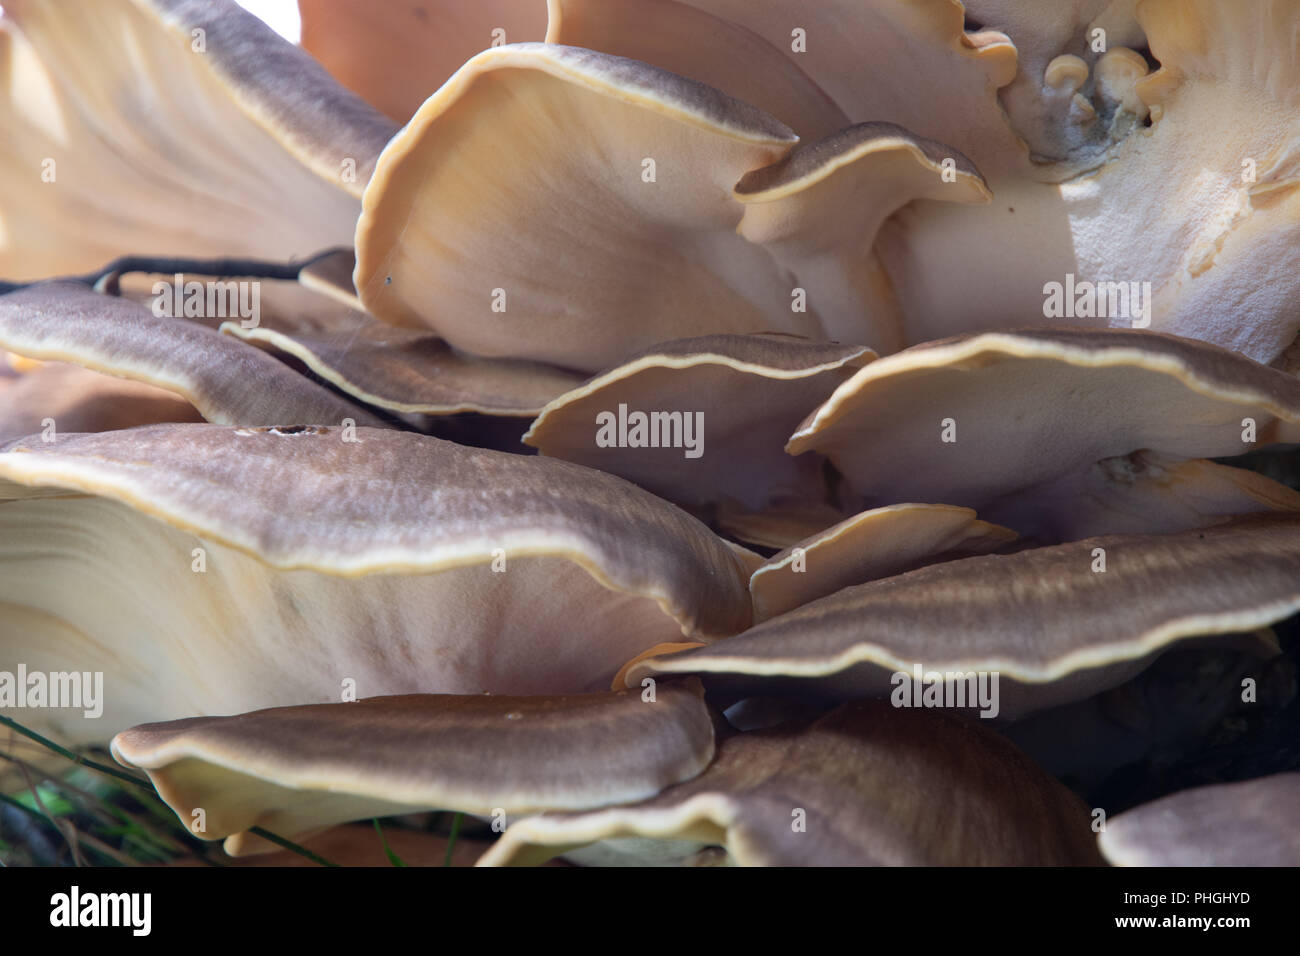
(866, 785)
(295, 770)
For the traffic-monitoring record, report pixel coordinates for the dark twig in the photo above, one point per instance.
(227, 268)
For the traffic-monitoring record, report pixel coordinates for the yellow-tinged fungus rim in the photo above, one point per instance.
(1034, 345)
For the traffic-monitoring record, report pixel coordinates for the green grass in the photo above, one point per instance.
(90, 813)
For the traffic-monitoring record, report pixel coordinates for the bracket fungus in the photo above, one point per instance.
(403, 370)
(740, 62)
(1005, 419)
(297, 769)
(451, 241)
(67, 321)
(874, 544)
(435, 188)
(1252, 823)
(890, 364)
(748, 391)
(907, 63)
(154, 125)
(1053, 624)
(862, 785)
(392, 563)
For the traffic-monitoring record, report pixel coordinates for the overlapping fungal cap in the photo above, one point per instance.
(907, 63)
(206, 569)
(871, 545)
(460, 219)
(1017, 424)
(1196, 216)
(819, 208)
(1251, 823)
(534, 170)
(1143, 492)
(866, 784)
(672, 36)
(77, 399)
(781, 525)
(1052, 624)
(339, 342)
(497, 248)
(396, 54)
(400, 370)
(169, 126)
(294, 770)
(70, 322)
(703, 420)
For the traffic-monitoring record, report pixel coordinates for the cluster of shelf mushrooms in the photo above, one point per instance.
(361, 553)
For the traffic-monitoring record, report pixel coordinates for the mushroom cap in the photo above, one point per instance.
(452, 242)
(617, 202)
(1076, 397)
(735, 59)
(398, 561)
(782, 524)
(1141, 493)
(1047, 622)
(142, 144)
(907, 63)
(404, 371)
(1251, 823)
(460, 243)
(225, 380)
(876, 786)
(874, 544)
(893, 150)
(818, 210)
(295, 770)
(748, 391)
(457, 209)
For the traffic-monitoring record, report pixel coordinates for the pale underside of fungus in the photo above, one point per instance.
(672, 431)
